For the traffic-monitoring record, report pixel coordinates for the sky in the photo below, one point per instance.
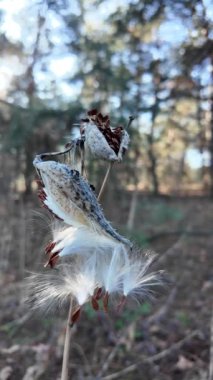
(20, 24)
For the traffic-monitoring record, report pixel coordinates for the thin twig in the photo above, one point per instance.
(160, 313)
(150, 320)
(171, 251)
(64, 373)
(131, 118)
(152, 359)
(105, 180)
(82, 152)
(111, 356)
(86, 362)
(51, 154)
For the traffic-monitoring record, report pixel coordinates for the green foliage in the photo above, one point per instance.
(18, 130)
(162, 212)
(130, 315)
(89, 311)
(127, 315)
(183, 317)
(140, 238)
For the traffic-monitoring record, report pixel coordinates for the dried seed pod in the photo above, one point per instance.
(103, 141)
(69, 196)
(97, 144)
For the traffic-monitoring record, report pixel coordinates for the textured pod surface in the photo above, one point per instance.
(97, 144)
(103, 141)
(70, 197)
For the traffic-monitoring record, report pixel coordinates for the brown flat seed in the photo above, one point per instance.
(95, 304)
(75, 316)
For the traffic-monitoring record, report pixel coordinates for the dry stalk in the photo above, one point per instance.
(66, 353)
(131, 118)
(105, 180)
(65, 364)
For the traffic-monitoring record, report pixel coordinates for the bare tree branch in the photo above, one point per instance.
(152, 359)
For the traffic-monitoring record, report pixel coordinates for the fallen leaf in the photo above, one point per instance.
(184, 363)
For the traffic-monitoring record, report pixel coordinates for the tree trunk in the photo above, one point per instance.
(211, 138)
(153, 164)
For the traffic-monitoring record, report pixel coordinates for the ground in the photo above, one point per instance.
(168, 339)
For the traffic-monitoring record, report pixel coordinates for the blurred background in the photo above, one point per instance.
(151, 59)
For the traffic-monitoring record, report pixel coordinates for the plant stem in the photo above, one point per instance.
(131, 118)
(65, 364)
(105, 180)
(82, 160)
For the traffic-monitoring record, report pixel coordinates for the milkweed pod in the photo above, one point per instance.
(103, 141)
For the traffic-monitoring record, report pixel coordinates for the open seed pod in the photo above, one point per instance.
(104, 142)
(69, 197)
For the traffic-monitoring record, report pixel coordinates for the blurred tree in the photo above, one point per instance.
(197, 60)
(127, 62)
(35, 127)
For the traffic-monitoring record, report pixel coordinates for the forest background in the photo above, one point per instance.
(151, 59)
